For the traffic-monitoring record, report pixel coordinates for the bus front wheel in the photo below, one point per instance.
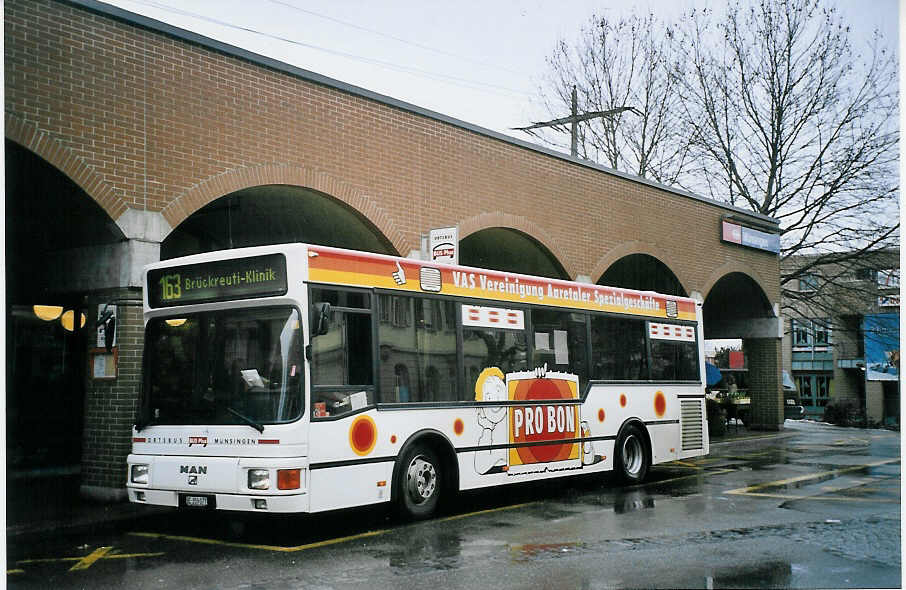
(419, 483)
(631, 455)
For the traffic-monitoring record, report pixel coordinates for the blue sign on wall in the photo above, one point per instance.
(761, 240)
(752, 238)
(882, 346)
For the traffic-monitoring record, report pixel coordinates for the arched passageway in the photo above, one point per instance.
(501, 248)
(273, 214)
(642, 272)
(53, 231)
(737, 308)
(733, 307)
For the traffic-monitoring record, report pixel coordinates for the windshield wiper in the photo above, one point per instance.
(247, 420)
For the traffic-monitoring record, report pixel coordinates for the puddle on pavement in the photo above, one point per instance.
(773, 574)
(421, 548)
(632, 502)
(540, 550)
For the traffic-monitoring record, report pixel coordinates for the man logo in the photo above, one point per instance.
(193, 480)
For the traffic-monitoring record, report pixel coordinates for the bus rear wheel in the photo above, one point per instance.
(632, 455)
(419, 483)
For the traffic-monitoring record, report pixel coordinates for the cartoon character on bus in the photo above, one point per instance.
(537, 436)
(490, 387)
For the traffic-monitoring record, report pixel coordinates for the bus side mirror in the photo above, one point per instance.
(320, 319)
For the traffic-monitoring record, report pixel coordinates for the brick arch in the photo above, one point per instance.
(521, 224)
(732, 267)
(635, 247)
(290, 174)
(53, 151)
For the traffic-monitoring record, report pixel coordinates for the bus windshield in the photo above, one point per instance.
(238, 367)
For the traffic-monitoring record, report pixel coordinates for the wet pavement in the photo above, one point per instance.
(814, 507)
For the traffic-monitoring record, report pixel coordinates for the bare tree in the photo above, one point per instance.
(614, 65)
(789, 120)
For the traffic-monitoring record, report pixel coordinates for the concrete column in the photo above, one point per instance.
(111, 404)
(765, 383)
(874, 401)
(112, 273)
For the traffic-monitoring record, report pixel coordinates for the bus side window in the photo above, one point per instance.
(618, 350)
(417, 343)
(673, 360)
(492, 347)
(559, 341)
(341, 362)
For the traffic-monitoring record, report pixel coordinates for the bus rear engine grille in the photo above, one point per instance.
(691, 424)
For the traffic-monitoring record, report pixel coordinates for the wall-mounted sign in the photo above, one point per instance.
(220, 280)
(752, 238)
(443, 245)
(102, 363)
(106, 321)
(882, 346)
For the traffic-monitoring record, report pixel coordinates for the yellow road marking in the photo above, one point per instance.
(825, 498)
(87, 561)
(685, 464)
(808, 477)
(488, 511)
(204, 541)
(16, 571)
(83, 563)
(699, 473)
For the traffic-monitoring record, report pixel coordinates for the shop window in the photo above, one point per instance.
(822, 389)
(802, 335)
(814, 389)
(811, 333)
(822, 332)
(804, 385)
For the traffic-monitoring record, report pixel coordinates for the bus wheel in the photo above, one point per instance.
(419, 483)
(631, 456)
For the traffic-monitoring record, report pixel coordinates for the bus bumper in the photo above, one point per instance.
(238, 502)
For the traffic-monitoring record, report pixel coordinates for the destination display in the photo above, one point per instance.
(220, 280)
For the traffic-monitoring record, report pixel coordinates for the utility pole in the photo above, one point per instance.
(574, 119)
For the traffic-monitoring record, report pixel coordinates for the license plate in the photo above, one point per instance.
(197, 501)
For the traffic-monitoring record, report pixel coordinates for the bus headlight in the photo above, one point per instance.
(139, 474)
(259, 479)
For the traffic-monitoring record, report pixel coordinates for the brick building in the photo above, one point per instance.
(128, 140)
(835, 328)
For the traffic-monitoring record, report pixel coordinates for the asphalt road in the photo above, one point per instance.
(818, 506)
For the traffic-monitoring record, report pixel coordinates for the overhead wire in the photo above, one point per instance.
(464, 82)
(483, 63)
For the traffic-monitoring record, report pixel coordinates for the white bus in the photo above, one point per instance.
(301, 378)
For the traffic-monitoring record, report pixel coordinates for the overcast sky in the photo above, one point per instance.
(480, 61)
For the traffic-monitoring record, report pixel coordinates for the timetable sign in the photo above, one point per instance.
(220, 280)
